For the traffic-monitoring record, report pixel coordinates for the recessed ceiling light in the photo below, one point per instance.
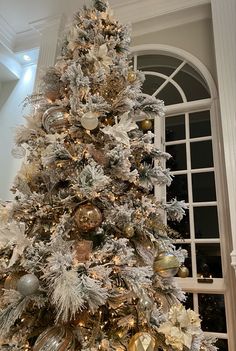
(27, 58)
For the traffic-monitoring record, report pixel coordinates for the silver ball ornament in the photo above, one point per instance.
(89, 121)
(28, 284)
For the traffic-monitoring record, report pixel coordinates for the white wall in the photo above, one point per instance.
(12, 94)
(195, 38)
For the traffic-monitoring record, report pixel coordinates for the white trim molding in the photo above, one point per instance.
(224, 27)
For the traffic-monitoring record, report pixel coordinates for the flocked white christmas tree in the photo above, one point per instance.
(86, 261)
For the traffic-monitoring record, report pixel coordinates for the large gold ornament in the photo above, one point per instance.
(166, 265)
(142, 341)
(55, 119)
(183, 272)
(88, 217)
(58, 338)
(146, 124)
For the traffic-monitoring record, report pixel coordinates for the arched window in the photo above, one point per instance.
(190, 133)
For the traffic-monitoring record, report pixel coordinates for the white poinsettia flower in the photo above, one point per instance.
(181, 327)
(120, 130)
(100, 56)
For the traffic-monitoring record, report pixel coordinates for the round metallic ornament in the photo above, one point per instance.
(146, 124)
(89, 120)
(57, 338)
(142, 341)
(55, 119)
(88, 217)
(166, 265)
(52, 95)
(132, 76)
(129, 231)
(183, 272)
(28, 284)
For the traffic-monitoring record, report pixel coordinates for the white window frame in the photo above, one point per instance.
(225, 285)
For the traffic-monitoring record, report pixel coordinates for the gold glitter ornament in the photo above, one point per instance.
(132, 76)
(57, 338)
(142, 341)
(55, 119)
(146, 124)
(129, 231)
(88, 217)
(183, 272)
(166, 265)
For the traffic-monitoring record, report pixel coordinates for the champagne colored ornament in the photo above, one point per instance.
(83, 250)
(146, 124)
(166, 265)
(183, 272)
(88, 217)
(129, 231)
(55, 119)
(58, 338)
(28, 284)
(142, 341)
(11, 281)
(90, 120)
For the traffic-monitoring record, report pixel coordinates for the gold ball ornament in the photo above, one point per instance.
(166, 265)
(57, 338)
(88, 217)
(146, 124)
(55, 119)
(129, 231)
(142, 341)
(132, 76)
(52, 95)
(183, 272)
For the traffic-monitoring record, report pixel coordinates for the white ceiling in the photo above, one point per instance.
(20, 13)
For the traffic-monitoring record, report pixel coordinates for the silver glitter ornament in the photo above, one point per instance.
(28, 284)
(55, 119)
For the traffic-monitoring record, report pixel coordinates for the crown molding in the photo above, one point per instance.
(7, 34)
(148, 9)
(170, 20)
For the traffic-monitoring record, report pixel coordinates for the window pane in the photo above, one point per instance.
(151, 84)
(170, 95)
(188, 303)
(188, 260)
(157, 62)
(181, 227)
(203, 187)
(178, 160)
(212, 312)
(192, 83)
(201, 154)
(222, 344)
(200, 124)
(178, 188)
(175, 128)
(206, 222)
(209, 260)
